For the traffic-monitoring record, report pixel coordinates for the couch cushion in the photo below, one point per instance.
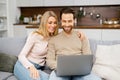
(107, 64)
(12, 45)
(5, 75)
(7, 62)
(94, 43)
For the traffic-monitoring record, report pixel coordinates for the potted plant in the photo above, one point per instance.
(21, 18)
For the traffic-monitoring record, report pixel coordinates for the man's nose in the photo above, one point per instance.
(66, 24)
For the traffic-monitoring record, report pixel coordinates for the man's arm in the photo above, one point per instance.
(86, 46)
(51, 57)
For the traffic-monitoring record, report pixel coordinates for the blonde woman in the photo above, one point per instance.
(31, 59)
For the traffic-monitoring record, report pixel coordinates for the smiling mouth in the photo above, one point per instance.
(52, 29)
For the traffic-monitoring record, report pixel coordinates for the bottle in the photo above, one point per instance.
(101, 21)
(75, 22)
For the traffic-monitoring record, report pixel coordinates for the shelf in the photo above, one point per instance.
(5, 17)
(3, 30)
(2, 3)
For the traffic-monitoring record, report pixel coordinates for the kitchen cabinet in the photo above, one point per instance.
(92, 33)
(23, 3)
(3, 18)
(58, 3)
(102, 34)
(20, 31)
(111, 34)
(29, 3)
(36, 3)
(94, 2)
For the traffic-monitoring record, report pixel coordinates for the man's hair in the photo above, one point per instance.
(66, 11)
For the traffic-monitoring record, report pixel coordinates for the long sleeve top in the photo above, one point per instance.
(34, 50)
(66, 45)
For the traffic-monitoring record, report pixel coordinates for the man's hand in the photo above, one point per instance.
(34, 73)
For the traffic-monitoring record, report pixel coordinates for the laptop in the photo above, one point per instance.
(74, 65)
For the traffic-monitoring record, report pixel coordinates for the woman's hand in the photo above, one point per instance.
(81, 35)
(34, 73)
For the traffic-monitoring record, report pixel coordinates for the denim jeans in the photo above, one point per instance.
(23, 74)
(91, 76)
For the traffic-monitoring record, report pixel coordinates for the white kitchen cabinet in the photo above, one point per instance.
(109, 34)
(58, 3)
(23, 3)
(29, 3)
(92, 33)
(102, 34)
(36, 3)
(96, 2)
(20, 31)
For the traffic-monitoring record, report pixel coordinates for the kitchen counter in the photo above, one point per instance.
(104, 26)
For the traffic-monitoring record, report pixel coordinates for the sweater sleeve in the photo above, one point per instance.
(25, 51)
(51, 57)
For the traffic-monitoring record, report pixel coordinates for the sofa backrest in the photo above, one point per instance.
(94, 43)
(12, 45)
(15, 45)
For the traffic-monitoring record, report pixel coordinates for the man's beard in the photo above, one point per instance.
(67, 29)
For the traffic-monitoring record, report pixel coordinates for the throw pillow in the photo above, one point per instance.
(107, 63)
(7, 62)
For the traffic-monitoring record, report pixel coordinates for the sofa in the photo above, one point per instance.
(13, 46)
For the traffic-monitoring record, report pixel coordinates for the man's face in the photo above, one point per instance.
(67, 22)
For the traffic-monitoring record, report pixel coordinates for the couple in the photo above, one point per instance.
(37, 52)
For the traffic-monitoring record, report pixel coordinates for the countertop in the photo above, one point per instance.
(104, 26)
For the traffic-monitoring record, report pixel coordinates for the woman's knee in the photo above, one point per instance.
(20, 70)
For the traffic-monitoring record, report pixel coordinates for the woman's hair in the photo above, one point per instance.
(42, 28)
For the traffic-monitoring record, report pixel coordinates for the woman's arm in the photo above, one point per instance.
(25, 52)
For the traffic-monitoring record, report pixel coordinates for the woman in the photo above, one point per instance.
(31, 60)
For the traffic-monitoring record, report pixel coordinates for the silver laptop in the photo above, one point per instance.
(69, 65)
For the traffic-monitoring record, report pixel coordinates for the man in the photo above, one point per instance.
(67, 43)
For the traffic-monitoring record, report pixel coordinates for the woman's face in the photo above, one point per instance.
(51, 24)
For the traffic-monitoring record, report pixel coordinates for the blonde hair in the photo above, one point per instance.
(42, 28)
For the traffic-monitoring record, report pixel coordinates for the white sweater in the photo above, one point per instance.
(34, 50)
